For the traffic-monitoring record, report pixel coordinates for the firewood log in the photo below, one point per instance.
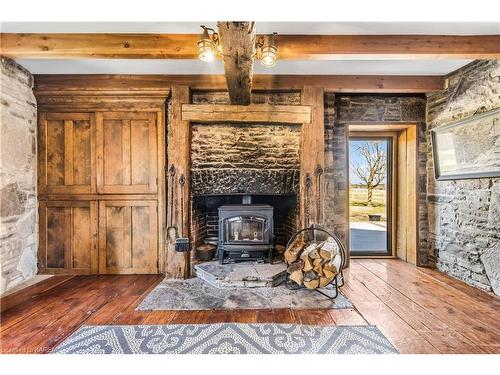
(294, 250)
(337, 261)
(312, 284)
(310, 275)
(308, 264)
(314, 253)
(324, 281)
(310, 249)
(297, 276)
(330, 246)
(327, 272)
(295, 266)
(325, 254)
(317, 261)
(333, 265)
(318, 267)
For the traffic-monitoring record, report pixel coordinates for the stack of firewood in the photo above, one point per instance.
(311, 264)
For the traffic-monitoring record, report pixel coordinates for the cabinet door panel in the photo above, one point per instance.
(68, 237)
(127, 153)
(128, 237)
(66, 153)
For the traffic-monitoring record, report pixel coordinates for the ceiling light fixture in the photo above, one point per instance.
(267, 52)
(208, 45)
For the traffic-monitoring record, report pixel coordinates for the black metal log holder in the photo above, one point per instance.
(338, 281)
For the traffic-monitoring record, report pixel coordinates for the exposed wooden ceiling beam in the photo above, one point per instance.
(327, 47)
(237, 40)
(62, 84)
(317, 47)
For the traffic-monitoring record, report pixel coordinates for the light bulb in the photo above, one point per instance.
(268, 56)
(207, 55)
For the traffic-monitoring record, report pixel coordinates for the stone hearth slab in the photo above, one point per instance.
(237, 275)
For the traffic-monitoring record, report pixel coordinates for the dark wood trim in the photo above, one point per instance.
(159, 85)
(67, 101)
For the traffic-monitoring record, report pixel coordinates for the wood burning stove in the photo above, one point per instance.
(245, 231)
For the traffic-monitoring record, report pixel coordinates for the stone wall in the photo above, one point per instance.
(245, 158)
(464, 215)
(18, 227)
(344, 109)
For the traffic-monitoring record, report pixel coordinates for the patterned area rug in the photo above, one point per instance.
(196, 294)
(226, 338)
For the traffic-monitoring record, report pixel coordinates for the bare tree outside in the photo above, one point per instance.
(373, 171)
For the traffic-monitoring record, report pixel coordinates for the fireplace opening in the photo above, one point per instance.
(251, 223)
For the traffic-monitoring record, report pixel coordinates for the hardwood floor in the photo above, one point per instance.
(418, 310)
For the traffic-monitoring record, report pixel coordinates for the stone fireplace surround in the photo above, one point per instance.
(229, 160)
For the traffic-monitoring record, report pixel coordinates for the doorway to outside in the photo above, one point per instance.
(370, 194)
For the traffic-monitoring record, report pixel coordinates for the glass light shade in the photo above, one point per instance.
(268, 56)
(206, 50)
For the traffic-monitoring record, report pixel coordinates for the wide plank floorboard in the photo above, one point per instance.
(419, 310)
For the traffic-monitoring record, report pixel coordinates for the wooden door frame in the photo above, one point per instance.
(392, 128)
(392, 193)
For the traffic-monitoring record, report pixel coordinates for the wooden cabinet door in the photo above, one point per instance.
(68, 237)
(66, 153)
(128, 237)
(127, 152)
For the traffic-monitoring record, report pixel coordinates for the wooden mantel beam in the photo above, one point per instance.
(260, 113)
(237, 40)
(291, 47)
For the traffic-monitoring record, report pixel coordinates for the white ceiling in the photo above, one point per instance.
(363, 28)
(342, 66)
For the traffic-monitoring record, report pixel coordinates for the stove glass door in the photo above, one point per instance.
(245, 229)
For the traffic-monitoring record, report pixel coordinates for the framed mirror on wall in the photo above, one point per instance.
(468, 148)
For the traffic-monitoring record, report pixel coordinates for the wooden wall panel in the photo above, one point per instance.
(128, 237)
(127, 144)
(66, 153)
(68, 237)
(91, 157)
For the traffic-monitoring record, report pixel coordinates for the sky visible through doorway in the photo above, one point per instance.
(356, 158)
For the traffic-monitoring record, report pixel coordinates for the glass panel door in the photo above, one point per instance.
(370, 195)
